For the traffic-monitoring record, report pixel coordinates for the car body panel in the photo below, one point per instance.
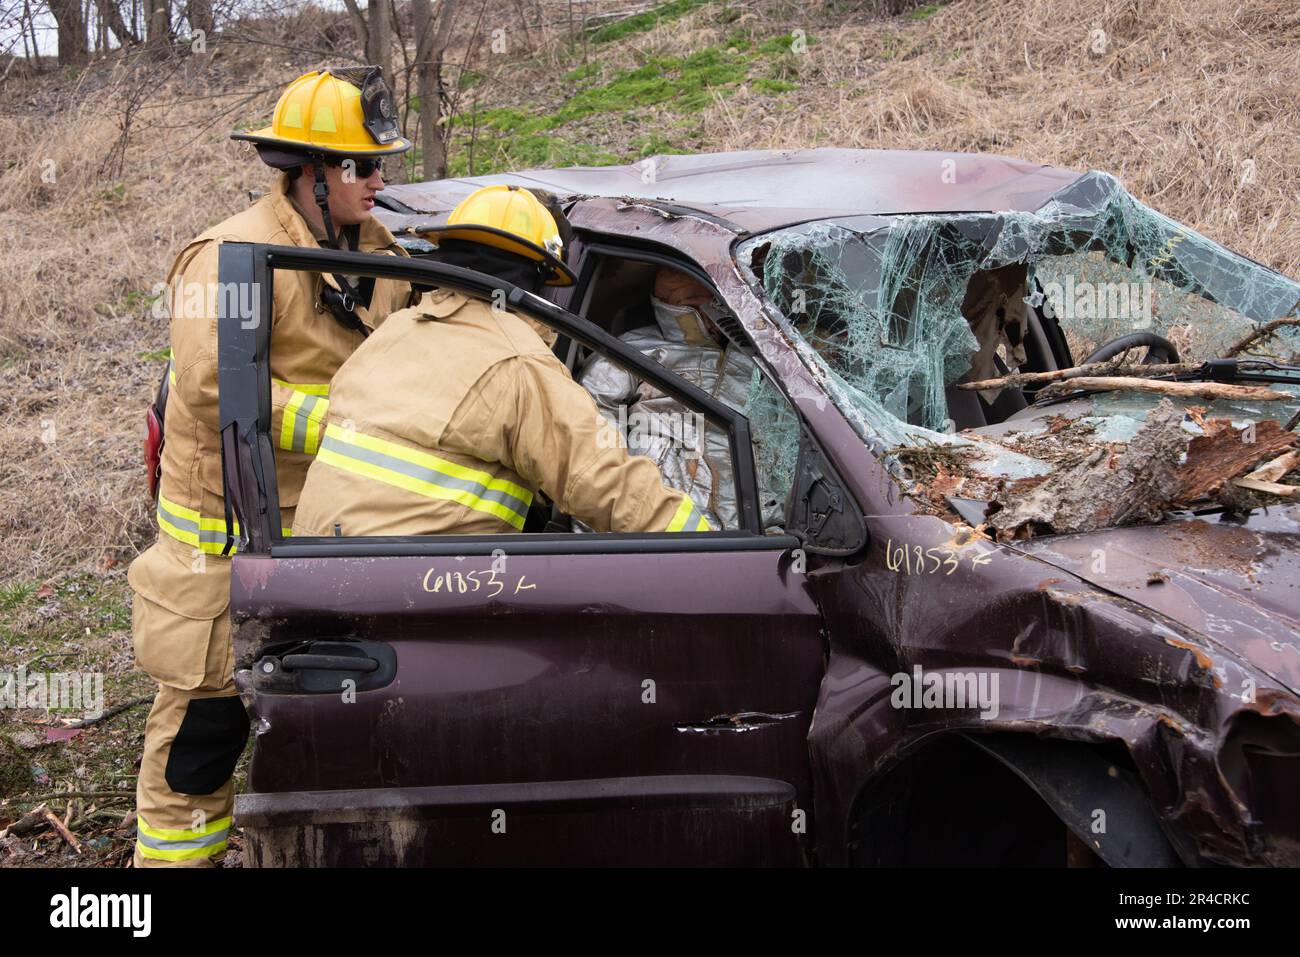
(540, 668)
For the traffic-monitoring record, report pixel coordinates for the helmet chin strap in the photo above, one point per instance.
(341, 302)
(322, 193)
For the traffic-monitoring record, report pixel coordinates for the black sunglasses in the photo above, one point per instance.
(364, 166)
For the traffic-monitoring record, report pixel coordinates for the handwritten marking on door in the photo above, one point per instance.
(915, 560)
(490, 581)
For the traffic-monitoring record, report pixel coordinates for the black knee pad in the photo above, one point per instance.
(211, 738)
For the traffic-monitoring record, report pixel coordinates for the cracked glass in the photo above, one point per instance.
(891, 312)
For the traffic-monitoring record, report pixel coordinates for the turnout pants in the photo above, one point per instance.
(198, 727)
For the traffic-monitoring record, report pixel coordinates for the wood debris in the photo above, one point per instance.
(1198, 390)
(1162, 469)
(64, 832)
(1263, 332)
(1224, 452)
(1022, 379)
(1104, 489)
(1098, 484)
(1274, 470)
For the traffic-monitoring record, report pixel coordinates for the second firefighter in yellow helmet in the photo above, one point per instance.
(513, 220)
(475, 418)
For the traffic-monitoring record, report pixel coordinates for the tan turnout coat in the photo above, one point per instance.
(451, 418)
(182, 584)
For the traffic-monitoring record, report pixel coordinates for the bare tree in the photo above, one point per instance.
(28, 31)
(199, 13)
(111, 16)
(72, 31)
(375, 30)
(159, 24)
(430, 41)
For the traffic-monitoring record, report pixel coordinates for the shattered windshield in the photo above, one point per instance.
(895, 314)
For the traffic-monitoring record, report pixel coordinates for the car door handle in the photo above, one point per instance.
(324, 665)
(304, 662)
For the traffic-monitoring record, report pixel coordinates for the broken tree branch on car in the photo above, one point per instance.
(1022, 379)
(1197, 390)
(1263, 332)
(1163, 468)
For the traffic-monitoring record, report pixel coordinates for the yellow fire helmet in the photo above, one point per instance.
(339, 112)
(509, 218)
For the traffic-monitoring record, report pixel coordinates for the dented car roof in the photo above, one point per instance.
(765, 189)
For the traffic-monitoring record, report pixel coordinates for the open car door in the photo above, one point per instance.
(550, 698)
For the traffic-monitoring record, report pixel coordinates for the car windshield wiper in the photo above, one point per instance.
(1246, 370)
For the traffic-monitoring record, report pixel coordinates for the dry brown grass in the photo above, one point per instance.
(1176, 106)
(1192, 105)
(82, 254)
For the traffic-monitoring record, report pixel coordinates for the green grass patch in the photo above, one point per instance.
(15, 594)
(784, 44)
(686, 81)
(78, 625)
(500, 154)
(138, 299)
(644, 21)
(739, 39)
(507, 120)
(924, 12)
(768, 85)
(656, 144)
(507, 138)
(155, 355)
(584, 72)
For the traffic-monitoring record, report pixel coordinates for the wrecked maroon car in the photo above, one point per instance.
(1013, 576)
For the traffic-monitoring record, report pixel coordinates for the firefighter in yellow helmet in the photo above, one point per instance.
(476, 415)
(329, 132)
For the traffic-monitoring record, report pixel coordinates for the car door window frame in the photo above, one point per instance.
(248, 454)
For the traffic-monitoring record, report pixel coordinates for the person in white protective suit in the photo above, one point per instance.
(693, 455)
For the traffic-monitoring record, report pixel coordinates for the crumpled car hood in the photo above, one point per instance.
(1235, 582)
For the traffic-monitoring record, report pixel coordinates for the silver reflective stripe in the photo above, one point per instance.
(300, 418)
(186, 524)
(162, 844)
(423, 474)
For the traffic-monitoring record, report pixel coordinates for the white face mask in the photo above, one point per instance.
(681, 323)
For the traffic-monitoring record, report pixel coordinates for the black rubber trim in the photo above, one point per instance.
(720, 791)
(207, 746)
(539, 544)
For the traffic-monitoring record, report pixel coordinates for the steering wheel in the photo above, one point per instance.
(1159, 349)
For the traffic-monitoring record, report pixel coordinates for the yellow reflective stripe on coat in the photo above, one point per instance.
(183, 844)
(688, 519)
(187, 526)
(171, 368)
(425, 474)
(304, 416)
